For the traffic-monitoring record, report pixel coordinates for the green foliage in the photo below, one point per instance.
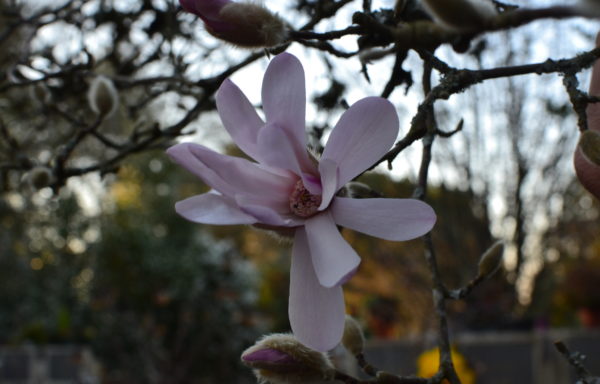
(162, 279)
(156, 297)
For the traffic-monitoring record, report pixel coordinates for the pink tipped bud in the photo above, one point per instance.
(280, 358)
(208, 9)
(587, 161)
(461, 15)
(246, 25)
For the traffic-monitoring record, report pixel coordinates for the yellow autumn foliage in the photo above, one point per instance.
(428, 363)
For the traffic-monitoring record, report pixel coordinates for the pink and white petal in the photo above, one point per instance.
(231, 175)
(278, 149)
(284, 96)
(333, 258)
(316, 313)
(364, 133)
(211, 208)
(267, 212)
(328, 170)
(239, 118)
(389, 219)
(312, 183)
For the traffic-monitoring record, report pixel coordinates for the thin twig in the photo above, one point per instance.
(575, 359)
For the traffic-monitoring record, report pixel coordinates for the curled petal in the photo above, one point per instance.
(277, 149)
(333, 258)
(365, 132)
(328, 170)
(316, 313)
(239, 118)
(211, 208)
(233, 176)
(389, 219)
(284, 97)
(267, 212)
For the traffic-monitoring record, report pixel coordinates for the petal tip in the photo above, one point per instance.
(286, 57)
(176, 150)
(339, 279)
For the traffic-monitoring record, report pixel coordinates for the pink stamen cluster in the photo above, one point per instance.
(302, 202)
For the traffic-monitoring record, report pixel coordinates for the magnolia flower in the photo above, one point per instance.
(243, 24)
(287, 189)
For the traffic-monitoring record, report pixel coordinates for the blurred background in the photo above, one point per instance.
(102, 282)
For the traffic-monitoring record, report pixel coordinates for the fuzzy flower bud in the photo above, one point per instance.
(587, 161)
(281, 359)
(353, 339)
(491, 260)
(245, 25)
(590, 7)
(461, 15)
(103, 97)
(39, 177)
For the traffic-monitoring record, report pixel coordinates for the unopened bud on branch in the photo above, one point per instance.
(353, 339)
(103, 96)
(587, 161)
(461, 15)
(245, 25)
(282, 359)
(491, 260)
(39, 177)
(590, 7)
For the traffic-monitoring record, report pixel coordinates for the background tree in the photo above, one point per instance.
(95, 264)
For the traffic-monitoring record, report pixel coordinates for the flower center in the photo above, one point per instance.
(302, 202)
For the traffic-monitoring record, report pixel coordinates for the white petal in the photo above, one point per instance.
(239, 118)
(328, 170)
(284, 96)
(211, 208)
(365, 132)
(316, 313)
(333, 258)
(390, 219)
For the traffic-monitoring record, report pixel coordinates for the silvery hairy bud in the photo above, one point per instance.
(491, 260)
(410, 10)
(590, 7)
(587, 161)
(245, 25)
(353, 338)
(103, 97)
(461, 15)
(281, 359)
